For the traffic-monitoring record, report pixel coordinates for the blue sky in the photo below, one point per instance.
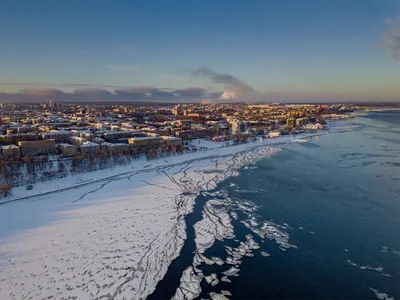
(288, 50)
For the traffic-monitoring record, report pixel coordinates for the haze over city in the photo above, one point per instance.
(180, 51)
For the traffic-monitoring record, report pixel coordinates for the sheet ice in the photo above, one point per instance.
(112, 233)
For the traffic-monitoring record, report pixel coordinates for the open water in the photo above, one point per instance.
(335, 197)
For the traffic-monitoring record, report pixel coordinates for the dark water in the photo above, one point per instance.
(339, 198)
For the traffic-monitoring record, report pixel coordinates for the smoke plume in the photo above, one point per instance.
(234, 88)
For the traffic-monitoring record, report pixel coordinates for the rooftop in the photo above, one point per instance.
(145, 138)
(10, 147)
(90, 144)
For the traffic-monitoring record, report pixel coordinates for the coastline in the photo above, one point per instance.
(137, 166)
(383, 109)
(152, 202)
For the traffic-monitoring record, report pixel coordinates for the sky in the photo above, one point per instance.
(186, 51)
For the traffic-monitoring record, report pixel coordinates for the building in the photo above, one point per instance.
(115, 148)
(301, 122)
(98, 140)
(185, 123)
(87, 135)
(89, 148)
(11, 151)
(33, 148)
(172, 143)
(316, 126)
(15, 138)
(58, 136)
(239, 127)
(67, 149)
(290, 122)
(192, 134)
(77, 141)
(164, 131)
(177, 110)
(148, 143)
(274, 134)
(26, 129)
(114, 136)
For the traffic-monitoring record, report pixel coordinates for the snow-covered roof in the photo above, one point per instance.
(171, 138)
(114, 144)
(144, 138)
(55, 132)
(90, 144)
(10, 147)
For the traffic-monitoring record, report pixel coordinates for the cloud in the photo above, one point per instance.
(134, 91)
(392, 38)
(235, 89)
(216, 77)
(191, 92)
(36, 91)
(92, 94)
(146, 92)
(140, 93)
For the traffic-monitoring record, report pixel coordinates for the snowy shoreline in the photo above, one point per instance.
(139, 165)
(115, 236)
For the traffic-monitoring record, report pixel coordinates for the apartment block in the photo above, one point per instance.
(11, 151)
(89, 148)
(67, 149)
(33, 148)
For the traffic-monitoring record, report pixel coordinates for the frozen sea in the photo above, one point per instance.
(318, 220)
(291, 218)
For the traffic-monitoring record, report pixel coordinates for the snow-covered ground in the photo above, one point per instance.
(206, 148)
(112, 233)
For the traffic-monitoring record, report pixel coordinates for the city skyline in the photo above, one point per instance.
(336, 51)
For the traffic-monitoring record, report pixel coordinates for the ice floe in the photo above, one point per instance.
(216, 296)
(234, 215)
(190, 285)
(380, 295)
(265, 254)
(384, 249)
(209, 279)
(271, 231)
(226, 293)
(216, 224)
(376, 269)
(231, 272)
(218, 260)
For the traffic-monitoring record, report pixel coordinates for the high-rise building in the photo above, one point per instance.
(238, 127)
(177, 110)
(301, 122)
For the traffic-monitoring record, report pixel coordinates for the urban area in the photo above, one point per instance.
(49, 140)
